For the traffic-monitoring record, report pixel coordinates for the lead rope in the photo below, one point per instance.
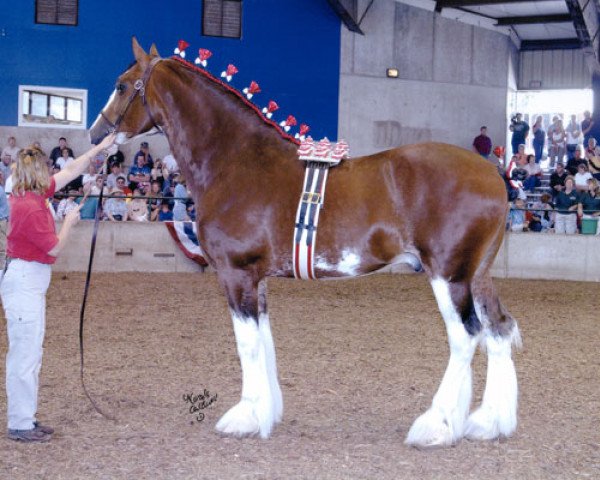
(86, 291)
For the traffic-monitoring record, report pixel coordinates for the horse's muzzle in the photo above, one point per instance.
(100, 129)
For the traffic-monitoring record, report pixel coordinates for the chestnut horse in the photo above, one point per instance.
(431, 205)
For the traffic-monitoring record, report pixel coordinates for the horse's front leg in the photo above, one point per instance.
(261, 405)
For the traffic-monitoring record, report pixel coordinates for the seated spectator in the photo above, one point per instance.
(9, 153)
(111, 179)
(190, 207)
(171, 164)
(138, 207)
(165, 214)
(557, 179)
(64, 159)
(57, 151)
(594, 162)
(566, 203)
(534, 174)
(138, 173)
(5, 166)
(542, 214)
(90, 203)
(115, 207)
(67, 204)
(159, 172)
(516, 216)
(90, 176)
(516, 174)
(581, 178)
(155, 201)
(145, 152)
(590, 150)
(122, 185)
(115, 156)
(589, 202)
(181, 196)
(98, 185)
(573, 163)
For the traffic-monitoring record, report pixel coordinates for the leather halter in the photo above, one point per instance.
(139, 88)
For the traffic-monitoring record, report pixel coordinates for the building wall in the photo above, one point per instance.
(454, 78)
(553, 69)
(290, 48)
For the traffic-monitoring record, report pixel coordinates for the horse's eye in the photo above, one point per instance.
(120, 88)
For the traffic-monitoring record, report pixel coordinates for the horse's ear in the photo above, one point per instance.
(138, 53)
(153, 51)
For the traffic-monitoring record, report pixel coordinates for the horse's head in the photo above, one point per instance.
(126, 111)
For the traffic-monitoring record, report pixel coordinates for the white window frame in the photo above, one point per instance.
(80, 94)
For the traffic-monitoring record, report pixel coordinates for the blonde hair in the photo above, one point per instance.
(31, 172)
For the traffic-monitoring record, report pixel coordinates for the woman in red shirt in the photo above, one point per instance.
(32, 247)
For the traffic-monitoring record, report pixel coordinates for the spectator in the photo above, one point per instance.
(594, 162)
(145, 152)
(586, 127)
(482, 144)
(138, 207)
(181, 195)
(138, 173)
(539, 138)
(88, 203)
(64, 159)
(97, 186)
(581, 178)
(521, 155)
(122, 185)
(516, 216)
(115, 156)
(590, 149)
(116, 208)
(520, 130)
(557, 143)
(115, 172)
(5, 167)
(90, 176)
(67, 204)
(497, 159)
(541, 215)
(191, 209)
(534, 174)
(557, 179)
(155, 201)
(574, 137)
(159, 173)
(573, 163)
(589, 202)
(10, 152)
(4, 212)
(165, 214)
(516, 174)
(170, 163)
(57, 151)
(566, 203)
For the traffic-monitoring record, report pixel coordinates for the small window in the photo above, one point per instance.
(222, 18)
(52, 107)
(56, 12)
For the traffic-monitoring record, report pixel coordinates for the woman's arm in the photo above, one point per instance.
(80, 164)
(71, 219)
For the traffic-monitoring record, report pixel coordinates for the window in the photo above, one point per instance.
(56, 12)
(52, 107)
(222, 18)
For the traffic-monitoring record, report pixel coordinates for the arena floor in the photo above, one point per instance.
(358, 361)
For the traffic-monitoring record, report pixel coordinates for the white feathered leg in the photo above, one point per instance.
(497, 415)
(255, 413)
(443, 424)
(264, 328)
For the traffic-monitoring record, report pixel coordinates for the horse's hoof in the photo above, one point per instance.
(431, 430)
(483, 425)
(242, 421)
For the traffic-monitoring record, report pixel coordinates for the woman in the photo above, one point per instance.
(181, 195)
(138, 207)
(539, 138)
(155, 201)
(534, 173)
(594, 161)
(566, 203)
(589, 202)
(558, 143)
(32, 247)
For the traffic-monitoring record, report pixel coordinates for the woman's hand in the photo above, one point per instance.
(108, 141)
(73, 216)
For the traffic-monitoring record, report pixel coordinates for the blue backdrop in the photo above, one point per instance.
(290, 47)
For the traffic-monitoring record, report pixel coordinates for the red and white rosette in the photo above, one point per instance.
(230, 72)
(252, 90)
(306, 148)
(180, 49)
(340, 150)
(270, 108)
(323, 148)
(301, 135)
(203, 56)
(288, 123)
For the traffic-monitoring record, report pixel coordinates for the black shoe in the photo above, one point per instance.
(43, 428)
(28, 436)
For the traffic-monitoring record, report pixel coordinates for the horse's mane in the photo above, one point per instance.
(239, 96)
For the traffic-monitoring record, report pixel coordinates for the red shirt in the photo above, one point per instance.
(31, 233)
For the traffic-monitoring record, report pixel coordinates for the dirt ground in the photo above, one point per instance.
(358, 361)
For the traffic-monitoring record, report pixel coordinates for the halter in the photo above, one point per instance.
(139, 88)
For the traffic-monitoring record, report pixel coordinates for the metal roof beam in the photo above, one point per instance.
(551, 44)
(345, 16)
(508, 21)
(441, 4)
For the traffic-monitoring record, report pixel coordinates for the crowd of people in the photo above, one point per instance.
(149, 190)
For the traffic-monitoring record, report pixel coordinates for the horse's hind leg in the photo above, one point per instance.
(497, 415)
(260, 406)
(443, 424)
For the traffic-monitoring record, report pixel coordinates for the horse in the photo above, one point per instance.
(437, 207)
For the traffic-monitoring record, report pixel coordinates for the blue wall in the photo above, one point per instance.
(290, 47)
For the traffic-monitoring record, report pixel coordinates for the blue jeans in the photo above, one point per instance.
(531, 182)
(538, 148)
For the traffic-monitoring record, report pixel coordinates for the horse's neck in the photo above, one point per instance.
(210, 132)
